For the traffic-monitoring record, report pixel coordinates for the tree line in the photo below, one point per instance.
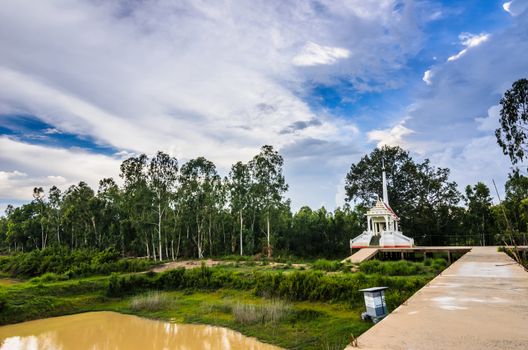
(166, 211)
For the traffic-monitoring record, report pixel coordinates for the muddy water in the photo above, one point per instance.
(110, 330)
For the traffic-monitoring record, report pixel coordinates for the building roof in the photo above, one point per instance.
(381, 208)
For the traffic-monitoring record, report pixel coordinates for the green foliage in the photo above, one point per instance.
(49, 277)
(327, 265)
(403, 267)
(298, 285)
(512, 136)
(71, 263)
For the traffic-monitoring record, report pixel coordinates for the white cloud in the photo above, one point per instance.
(394, 136)
(313, 54)
(515, 7)
(428, 76)
(491, 122)
(480, 159)
(469, 41)
(506, 6)
(217, 79)
(27, 166)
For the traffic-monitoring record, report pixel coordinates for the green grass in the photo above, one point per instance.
(292, 309)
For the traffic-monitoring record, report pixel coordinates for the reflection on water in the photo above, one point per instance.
(110, 330)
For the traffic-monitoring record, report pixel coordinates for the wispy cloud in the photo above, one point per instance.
(313, 54)
(469, 40)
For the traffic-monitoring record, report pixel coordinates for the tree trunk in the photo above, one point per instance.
(159, 229)
(178, 247)
(241, 230)
(97, 240)
(210, 238)
(58, 232)
(268, 234)
(43, 241)
(172, 249)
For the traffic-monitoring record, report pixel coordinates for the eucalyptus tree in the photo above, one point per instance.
(80, 215)
(163, 175)
(38, 195)
(55, 203)
(137, 199)
(239, 184)
(479, 215)
(269, 185)
(110, 213)
(512, 135)
(198, 192)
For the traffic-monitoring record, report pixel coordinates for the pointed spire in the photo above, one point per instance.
(385, 192)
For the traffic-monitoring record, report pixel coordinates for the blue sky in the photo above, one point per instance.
(85, 84)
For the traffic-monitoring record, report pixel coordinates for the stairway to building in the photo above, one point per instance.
(374, 241)
(361, 255)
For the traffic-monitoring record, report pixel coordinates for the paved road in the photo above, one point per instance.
(479, 302)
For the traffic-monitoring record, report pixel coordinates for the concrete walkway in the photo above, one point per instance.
(479, 302)
(361, 255)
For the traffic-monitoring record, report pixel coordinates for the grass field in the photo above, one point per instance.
(299, 310)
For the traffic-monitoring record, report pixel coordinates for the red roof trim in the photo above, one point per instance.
(391, 211)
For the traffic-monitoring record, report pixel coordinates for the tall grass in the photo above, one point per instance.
(151, 301)
(327, 265)
(270, 312)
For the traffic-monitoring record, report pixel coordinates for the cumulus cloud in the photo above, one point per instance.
(491, 122)
(217, 79)
(26, 166)
(515, 7)
(455, 117)
(313, 54)
(394, 136)
(469, 40)
(427, 77)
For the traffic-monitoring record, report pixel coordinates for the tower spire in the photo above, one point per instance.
(385, 192)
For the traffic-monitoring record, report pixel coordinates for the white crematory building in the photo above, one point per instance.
(382, 226)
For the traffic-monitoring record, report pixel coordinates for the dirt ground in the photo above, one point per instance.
(479, 302)
(192, 264)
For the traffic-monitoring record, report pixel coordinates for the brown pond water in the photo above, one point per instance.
(111, 330)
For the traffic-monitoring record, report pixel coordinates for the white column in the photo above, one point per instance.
(386, 223)
(368, 223)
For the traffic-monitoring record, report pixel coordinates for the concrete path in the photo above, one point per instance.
(479, 302)
(361, 255)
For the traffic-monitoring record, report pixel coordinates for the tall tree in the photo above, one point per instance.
(163, 173)
(55, 202)
(38, 195)
(416, 191)
(269, 184)
(513, 132)
(199, 183)
(479, 215)
(239, 183)
(137, 200)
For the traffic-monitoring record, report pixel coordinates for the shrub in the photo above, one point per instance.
(151, 301)
(49, 277)
(73, 263)
(327, 265)
(396, 268)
